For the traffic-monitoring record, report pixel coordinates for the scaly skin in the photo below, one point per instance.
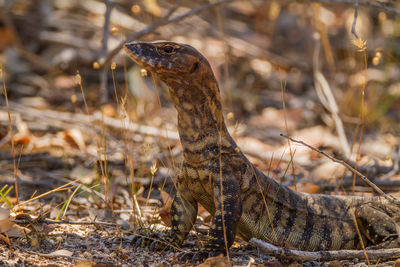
(239, 196)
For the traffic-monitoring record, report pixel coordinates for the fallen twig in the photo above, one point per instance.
(89, 120)
(345, 164)
(47, 221)
(161, 22)
(347, 183)
(324, 255)
(68, 257)
(104, 46)
(361, 3)
(326, 97)
(353, 26)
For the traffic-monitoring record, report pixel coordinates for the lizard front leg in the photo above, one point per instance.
(183, 215)
(228, 210)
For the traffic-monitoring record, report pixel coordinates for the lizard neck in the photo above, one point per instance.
(201, 125)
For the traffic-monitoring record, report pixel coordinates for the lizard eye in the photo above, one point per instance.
(168, 49)
(194, 67)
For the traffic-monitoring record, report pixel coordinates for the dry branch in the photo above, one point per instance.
(89, 120)
(161, 22)
(48, 221)
(324, 255)
(345, 164)
(104, 46)
(361, 3)
(327, 99)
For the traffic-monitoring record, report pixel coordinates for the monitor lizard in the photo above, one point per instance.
(240, 197)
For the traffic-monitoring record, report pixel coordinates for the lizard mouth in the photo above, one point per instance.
(133, 50)
(145, 55)
(138, 54)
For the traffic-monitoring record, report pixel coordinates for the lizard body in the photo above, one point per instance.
(241, 198)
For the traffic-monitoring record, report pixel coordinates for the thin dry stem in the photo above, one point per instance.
(362, 115)
(353, 170)
(60, 188)
(222, 193)
(226, 81)
(83, 93)
(11, 132)
(283, 88)
(361, 239)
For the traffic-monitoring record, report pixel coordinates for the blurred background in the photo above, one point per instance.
(82, 111)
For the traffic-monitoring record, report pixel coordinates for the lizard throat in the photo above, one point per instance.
(201, 124)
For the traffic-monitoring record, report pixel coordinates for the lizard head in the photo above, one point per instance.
(169, 61)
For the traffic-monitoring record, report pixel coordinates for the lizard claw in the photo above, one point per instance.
(141, 241)
(199, 255)
(160, 245)
(152, 240)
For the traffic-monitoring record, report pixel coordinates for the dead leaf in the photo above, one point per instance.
(251, 143)
(84, 175)
(108, 111)
(219, 261)
(62, 252)
(165, 210)
(272, 117)
(23, 136)
(166, 199)
(35, 242)
(273, 263)
(5, 220)
(75, 136)
(64, 81)
(165, 217)
(18, 231)
(86, 264)
(5, 239)
(100, 214)
(336, 264)
(327, 170)
(306, 188)
(34, 102)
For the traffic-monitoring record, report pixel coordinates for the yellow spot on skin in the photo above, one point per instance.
(187, 105)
